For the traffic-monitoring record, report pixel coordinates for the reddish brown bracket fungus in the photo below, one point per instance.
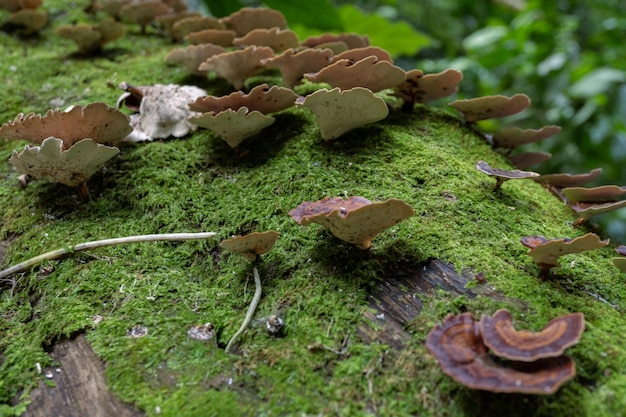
(369, 73)
(221, 37)
(248, 18)
(190, 24)
(620, 263)
(459, 349)
(528, 159)
(192, 56)
(144, 12)
(91, 38)
(167, 21)
(608, 193)
(277, 39)
(293, 64)
(235, 67)
(503, 174)
(546, 252)
(490, 107)
(261, 98)
(420, 88)
(570, 180)
(585, 211)
(512, 137)
(355, 220)
(500, 336)
(357, 54)
(338, 112)
(351, 40)
(251, 245)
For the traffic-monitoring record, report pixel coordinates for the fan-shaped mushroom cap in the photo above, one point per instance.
(524, 345)
(490, 107)
(187, 25)
(512, 137)
(221, 37)
(261, 98)
(546, 253)
(144, 12)
(355, 220)
(461, 354)
(192, 56)
(593, 194)
(249, 18)
(339, 111)
(237, 66)
(528, 159)
(352, 40)
(503, 174)
(275, 38)
(357, 54)
(98, 121)
(420, 88)
(251, 245)
(90, 38)
(71, 166)
(570, 180)
(234, 126)
(168, 20)
(369, 72)
(294, 64)
(588, 210)
(27, 21)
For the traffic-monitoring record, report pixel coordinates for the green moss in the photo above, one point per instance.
(317, 284)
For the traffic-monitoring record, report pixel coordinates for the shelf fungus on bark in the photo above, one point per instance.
(355, 220)
(589, 202)
(275, 38)
(338, 111)
(422, 88)
(512, 137)
(91, 38)
(262, 98)
(144, 12)
(192, 56)
(293, 63)
(237, 66)
(190, 24)
(545, 252)
(458, 345)
(249, 18)
(220, 37)
(490, 107)
(350, 40)
(525, 160)
(503, 175)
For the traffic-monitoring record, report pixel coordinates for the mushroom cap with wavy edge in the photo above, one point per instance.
(338, 111)
(293, 64)
(236, 66)
(144, 12)
(357, 54)
(461, 354)
(249, 18)
(570, 180)
(190, 24)
(167, 21)
(593, 194)
(420, 88)
(192, 56)
(275, 38)
(71, 166)
(221, 37)
(502, 175)
(90, 38)
(351, 40)
(527, 159)
(369, 72)
(27, 21)
(261, 98)
(15, 5)
(587, 210)
(490, 107)
(546, 252)
(97, 121)
(355, 220)
(234, 126)
(251, 245)
(512, 137)
(500, 336)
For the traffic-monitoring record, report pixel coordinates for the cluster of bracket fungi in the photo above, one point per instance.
(365, 84)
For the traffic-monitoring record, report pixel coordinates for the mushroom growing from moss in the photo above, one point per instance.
(503, 175)
(277, 39)
(144, 12)
(261, 98)
(620, 262)
(588, 202)
(26, 21)
(512, 137)
(420, 88)
(338, 111)
(293, 64)
(192, 56)
(91, 38)
(490, 107)
(351, 40)
(236, 66)
(191, 24)
(220, 37)
(355, 220)
(249, 18)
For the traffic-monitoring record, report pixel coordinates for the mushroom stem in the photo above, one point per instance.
(251, 309)
(58, 253)
(83, 192)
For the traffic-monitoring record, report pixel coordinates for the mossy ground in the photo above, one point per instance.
(317, 284)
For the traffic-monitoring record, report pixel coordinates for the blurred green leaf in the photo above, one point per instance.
(221, 8)
(484, 37)
(598, 81)
(318, 14)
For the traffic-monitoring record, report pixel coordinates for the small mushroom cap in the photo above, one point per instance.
(588, 210)
(490, 107)
(533, 241)
(420, 88)
(338, 112)
(190, 24)
(27, 21)
(546, 254)
(528, 159)
(85, 36)
(261, 98)
(461, 354)
(352, 40)
(236, 66)
(594, 194)
(221, 37)
(504, 174)
(355, 220)
(248, 18)
(357, 54)
(192, 56)
(294, 64)
(570, 180)
(251, 245)
(369, 72)
(523, 345)
(168, 20)
(98, 121)
(234, 126)
(71, 167)
(275, 38)
(144, 12)
(512, 137)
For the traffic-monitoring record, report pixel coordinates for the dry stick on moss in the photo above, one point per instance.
(251, 309)
(56, 254)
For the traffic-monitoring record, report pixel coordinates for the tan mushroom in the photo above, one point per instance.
(357, 54)
(338, 112)
(351, 40)
(570, 180)
(420, 88)
(503, 175)
(293, 64)
(192, 56)
(221, 37)
(275, 38)
(27, 21)
(248, 18)
(490, 107)
(512, 137)
(261, 98)
(91, 38)
(252, 245)
(184, 27)
(235, 67)
(167, 21)
(355, 220)
(144, 12)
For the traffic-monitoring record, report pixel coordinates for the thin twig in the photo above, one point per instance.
(251, 309)
(56, 254)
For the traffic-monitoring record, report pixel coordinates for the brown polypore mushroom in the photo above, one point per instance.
(247, 19)
(26, 21)
(500, 336)
(546, 252)
(608, 193)
(221, 37)
(338, 112)
(236, 66)
(459, 349)
(144, 12)
(192, 56)
(527, 159)
(570, 180)
(261, 98)
(275, 38)
(293, 64)
(251, 245)
(351, 40)
(585, 211)
(167, 21)
(512, 137)
(91, 38)
(357, 54)
(490, 107)
(503, 174)
(420, 88)
(355, 220)
(369, 72)
(187, 25)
